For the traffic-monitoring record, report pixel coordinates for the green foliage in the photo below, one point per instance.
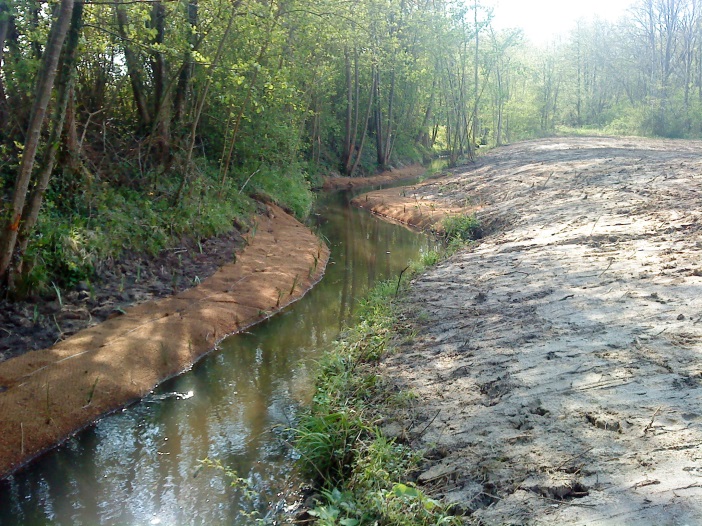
(361, 474)
(245, 487)
(461, 228)
(286, 186)
(329, 443)
(67, 246)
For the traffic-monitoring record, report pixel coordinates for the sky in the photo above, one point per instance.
(542, 20)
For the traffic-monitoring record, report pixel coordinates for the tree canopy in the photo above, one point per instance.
(149, 119)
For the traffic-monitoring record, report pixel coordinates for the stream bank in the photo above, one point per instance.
(554, 368)
(144, 465)
(47, 395)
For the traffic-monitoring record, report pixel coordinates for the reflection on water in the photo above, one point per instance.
(143, 466)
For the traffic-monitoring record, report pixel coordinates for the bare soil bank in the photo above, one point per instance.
(46, 395)
(557, 364)
(395, 174)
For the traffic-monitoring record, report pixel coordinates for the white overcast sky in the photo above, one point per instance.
(542, 20)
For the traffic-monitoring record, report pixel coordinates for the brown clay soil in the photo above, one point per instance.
(47, 395)
(556, 365)
(390, 176)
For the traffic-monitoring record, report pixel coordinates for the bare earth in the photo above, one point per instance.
(557, 364)
(47, 395)
(392, 175)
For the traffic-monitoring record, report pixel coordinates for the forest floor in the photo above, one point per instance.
(47, 395)
(556, 365)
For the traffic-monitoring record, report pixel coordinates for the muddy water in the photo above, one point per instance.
(144, 465)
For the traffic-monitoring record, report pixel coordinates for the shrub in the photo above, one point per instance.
(461, 227)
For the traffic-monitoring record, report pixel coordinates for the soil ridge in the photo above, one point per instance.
(47, 395)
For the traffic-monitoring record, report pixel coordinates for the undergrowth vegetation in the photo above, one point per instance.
(363, 477)
(461, 228)
(73, 238)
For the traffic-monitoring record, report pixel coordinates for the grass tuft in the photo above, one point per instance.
(362, 477)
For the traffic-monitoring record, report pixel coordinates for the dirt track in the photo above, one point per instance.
(557, 364)
(47, 395)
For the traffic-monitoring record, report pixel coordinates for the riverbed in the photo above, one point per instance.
(144, 465)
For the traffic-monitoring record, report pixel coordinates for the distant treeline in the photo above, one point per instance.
(126, 123)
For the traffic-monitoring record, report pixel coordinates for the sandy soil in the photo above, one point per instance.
(47, 395)
(392, 175)
(421, 206)
(39, 321)
(557, 364)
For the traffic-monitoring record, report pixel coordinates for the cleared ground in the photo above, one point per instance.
(556, 366)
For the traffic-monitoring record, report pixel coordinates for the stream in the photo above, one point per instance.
(143, 465)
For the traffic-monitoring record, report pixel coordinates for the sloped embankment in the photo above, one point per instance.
(45, 396)
(557, 364)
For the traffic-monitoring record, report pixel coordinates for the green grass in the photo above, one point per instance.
(74, 236)
(461, 228)
(362, 477)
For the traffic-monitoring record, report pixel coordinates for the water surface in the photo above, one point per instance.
(144, 465)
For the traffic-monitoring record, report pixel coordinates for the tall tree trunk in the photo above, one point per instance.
(201, 104)
(132, 63)
(387, 150)
(224, 167)
(186, 72)
(4, 27)
(423, 134)
(71, 143)
(378, 121)
(45, 83)
(365, 133)
(348, 124)
(476, 121)
(161, 101)
(65, 89)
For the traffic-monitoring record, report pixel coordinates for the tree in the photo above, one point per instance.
(45, 83)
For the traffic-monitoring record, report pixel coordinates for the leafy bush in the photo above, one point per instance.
(289, 188)
(461, 227)
(68, 245)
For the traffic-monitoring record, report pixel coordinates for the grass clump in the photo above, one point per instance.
(461, 228)
(362, 477)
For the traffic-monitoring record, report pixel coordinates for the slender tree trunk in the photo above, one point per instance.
(45, 83)
(65, 89)
(201, 104)
(4, 27)
(186, 73)
(387, 150)
(162, 104)
(132, 63)
(365, 133)
(378, 121)
(476, 121)
(348, 125)
(357, 103)
(224, 168)
(423, 135)
(71, 143)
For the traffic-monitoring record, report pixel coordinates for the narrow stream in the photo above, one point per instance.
(143, 465)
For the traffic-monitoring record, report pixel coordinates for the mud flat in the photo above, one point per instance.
(557, 364)
(47, 395)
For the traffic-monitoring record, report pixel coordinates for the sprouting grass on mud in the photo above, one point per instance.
(362, 477)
